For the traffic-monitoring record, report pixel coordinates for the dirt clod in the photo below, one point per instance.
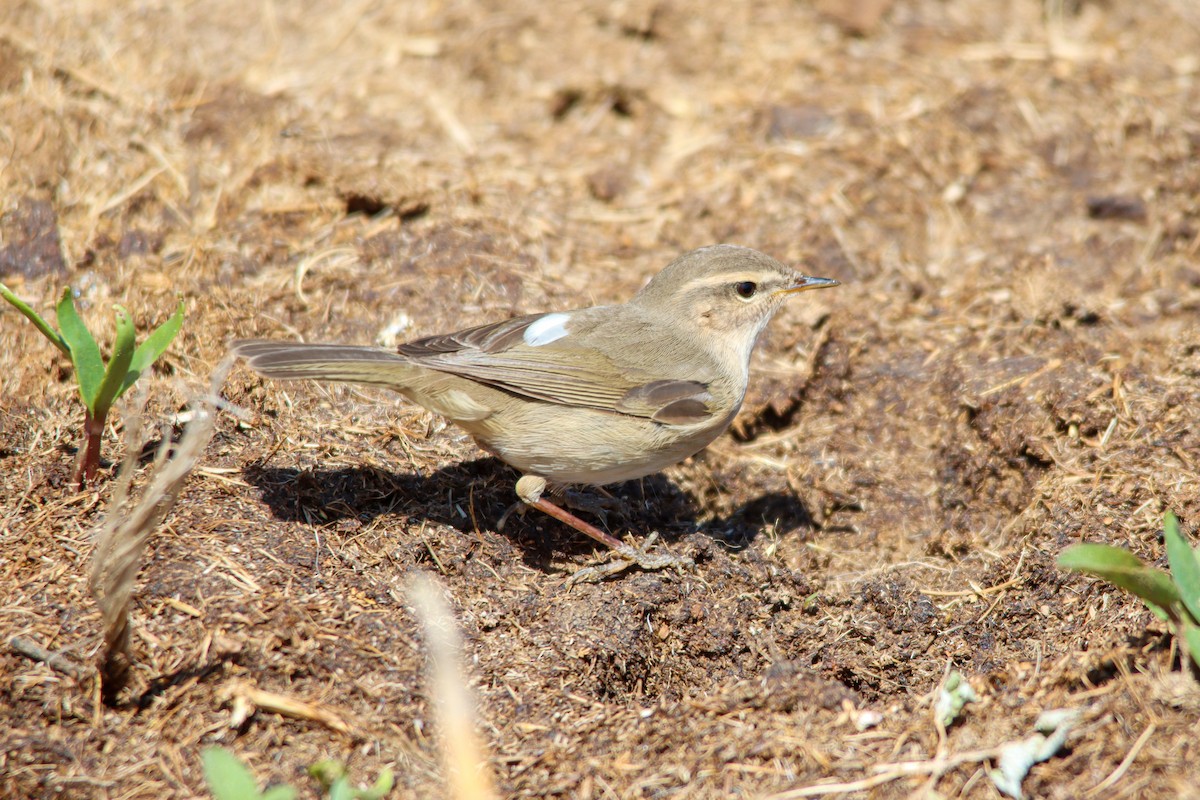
(1007, 192)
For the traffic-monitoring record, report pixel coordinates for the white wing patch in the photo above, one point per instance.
(549, 328)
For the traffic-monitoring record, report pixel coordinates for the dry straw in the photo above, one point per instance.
(466, 767)
(131, 521)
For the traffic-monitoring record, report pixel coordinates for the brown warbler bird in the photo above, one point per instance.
(591, 396)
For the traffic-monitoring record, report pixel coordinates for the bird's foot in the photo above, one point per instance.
(626, 556)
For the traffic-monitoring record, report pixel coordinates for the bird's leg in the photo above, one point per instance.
(598, 506)
(530, 489)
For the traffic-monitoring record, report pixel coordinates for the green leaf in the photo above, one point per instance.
(1123, 569)
(227, 777)
(155, 345)
(1088, 555)
(382, 786)
(118, 365)
(85, 353)
(326, 771)
(1191, 635)
(340, 789)
(279, 793)
(1185, 566)
(35, 318)
(1158, 611)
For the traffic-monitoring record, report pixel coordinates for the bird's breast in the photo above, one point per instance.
(586, 446)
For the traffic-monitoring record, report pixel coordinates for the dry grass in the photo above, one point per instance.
(1007, 192)
(132, 519)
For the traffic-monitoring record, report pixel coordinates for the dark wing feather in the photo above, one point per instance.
(559, 372)
(670, 402)
(494, 337)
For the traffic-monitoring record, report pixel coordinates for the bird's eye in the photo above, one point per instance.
(745, 289)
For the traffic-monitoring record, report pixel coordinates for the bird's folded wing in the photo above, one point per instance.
(494, 337)
(673, 402)
(560, 372)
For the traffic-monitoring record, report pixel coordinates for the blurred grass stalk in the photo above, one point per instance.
(131, 521)
(466, 768)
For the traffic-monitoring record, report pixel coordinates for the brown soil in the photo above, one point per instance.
(1008, 192)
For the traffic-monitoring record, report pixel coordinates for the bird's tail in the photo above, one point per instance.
(325, 362)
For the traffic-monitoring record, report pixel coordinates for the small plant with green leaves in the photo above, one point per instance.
(1173, 597)
(333, 777)
(100, 384)
(229, 779)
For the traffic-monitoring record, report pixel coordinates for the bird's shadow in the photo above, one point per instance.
(474, 495)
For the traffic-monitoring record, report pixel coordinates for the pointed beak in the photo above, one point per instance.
(805, 283)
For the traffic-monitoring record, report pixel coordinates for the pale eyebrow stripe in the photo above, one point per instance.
(714, 280)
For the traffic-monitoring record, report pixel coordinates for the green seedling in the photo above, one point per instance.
(1173, 597)
(100, 384)
(229, 779)
(332, 776)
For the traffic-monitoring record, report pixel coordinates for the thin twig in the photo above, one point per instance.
(1118, 773)
(935, 768)
(53, 660)
(248, 699)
